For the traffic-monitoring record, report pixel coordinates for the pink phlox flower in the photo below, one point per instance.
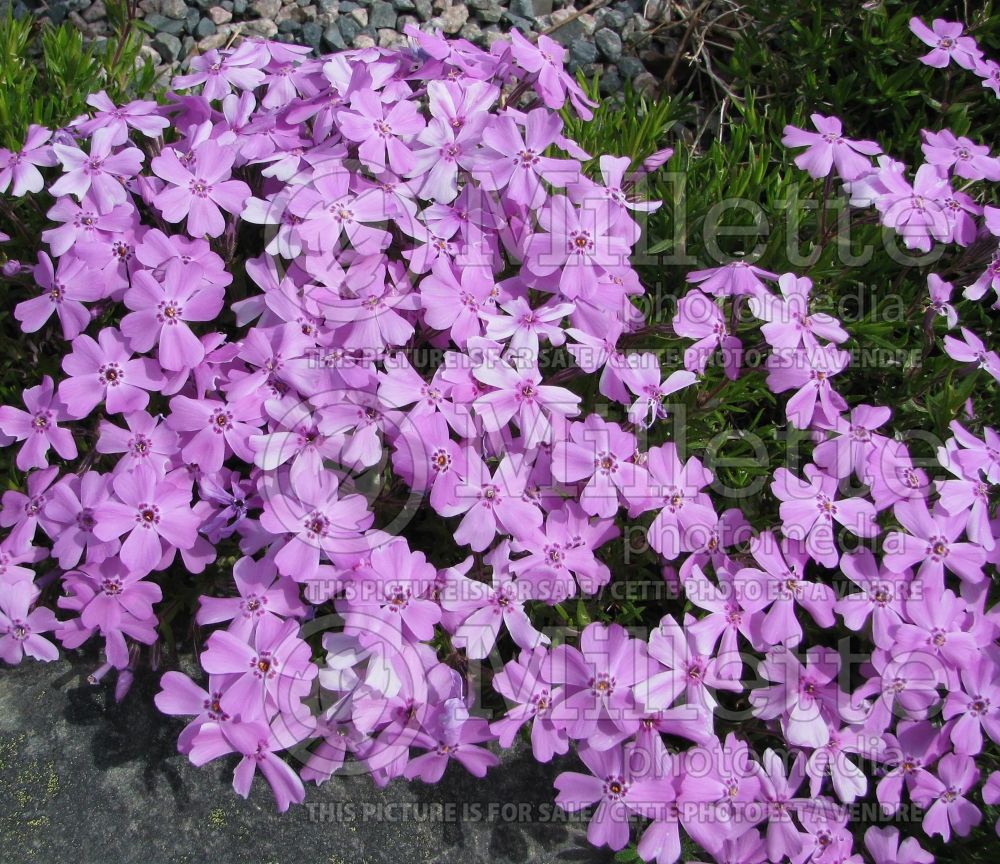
(139, 114)
(947, 43)
(37, 427)
(100, 172)
(21, 626)
(104, 370)
(829, 149)
(641, 374)
(19, 171)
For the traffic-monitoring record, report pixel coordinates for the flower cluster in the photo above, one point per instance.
(263, 414)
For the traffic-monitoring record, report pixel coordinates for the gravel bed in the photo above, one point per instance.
(634, 40)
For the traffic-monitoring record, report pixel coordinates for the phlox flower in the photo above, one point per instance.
(616, 792)
(37, 427)
(641, 374)
(307, 511)
(12, 559)
(21, 626)
(828, 148)
(545, 59)
(931, 540)
(23, 513)
(19, 171)
(520, 683)
(615, 186)
(728, 783)
(885, 848)
(99, 172)
(971, 349)
(83, 223)
(810, 508)
(701, 319)
(392, 594)
(383, 133)
(808, 371)
(779, 785)
(180, 696)
(730, 612)
(257, 744)
(522, 326)
(977, 454)
(917, 212)
(600, 453)
(854, 442)
(144, 442)
(692, 672)
(70, 510)
(947, 43)
(493, 502)
(161, 310)
(481, 608)
(211, 429)
(425, 455)
(976, 706)
(803, 698)
(451, 734)
(104, 370)
(155, 513)
(446, 150)
(565, 544)
(788, 322)
(735, 279)
(598, 678)
(220, 72)
(579, 243)
(274, 668)
(139, 114)
(456, 302)
(686, 519)
(520, 395)
(332, 206)
(113, 593)
(965, 494)
(936, 625)
(939, 293)
(913, 749)
(963, 156)
(779, 582)
(199, 190)
(514, 162)
(881, 597)
(942, 795)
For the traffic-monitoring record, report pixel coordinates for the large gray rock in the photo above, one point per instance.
(382, 16)
(204, 28)
(349, 29)
(87, 781)
(168, 47)
(312, 34)
(265, 8)
(173, 9)
(609, 44)
(160, 24)
(453, 18)
(333, 39)
(582, 53)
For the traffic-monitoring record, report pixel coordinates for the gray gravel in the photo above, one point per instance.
(622, 40)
